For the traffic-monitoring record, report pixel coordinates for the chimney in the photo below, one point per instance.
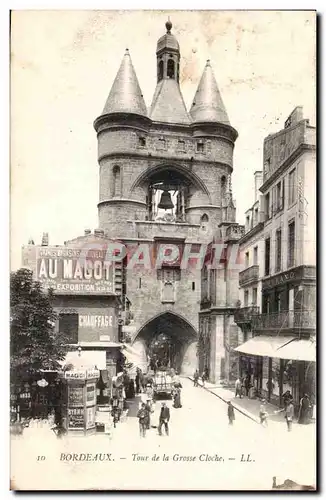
(45, 240)
(258, 175)
(87, 232)
(99, 232)
(295, 117)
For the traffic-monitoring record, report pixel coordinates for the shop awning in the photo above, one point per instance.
(264, 345)
(99, 343)
(86, 359)
(298, 350)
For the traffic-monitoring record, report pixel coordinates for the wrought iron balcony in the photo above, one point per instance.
(249, 275)
(285, 320)
(245, 314)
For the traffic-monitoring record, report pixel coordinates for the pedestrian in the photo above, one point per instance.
(304, 410)
(287, 396)
(238, 388)
(204, 376)
(164, 419)
(196, 378)
(247, 384)
(289, 413)
(263, 415)
(231, 414)
(177, 396)
(137, 380)
(143, 417)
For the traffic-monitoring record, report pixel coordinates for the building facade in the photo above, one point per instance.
(86, 296)
(287, 320)
(252, 252)
(165, 183)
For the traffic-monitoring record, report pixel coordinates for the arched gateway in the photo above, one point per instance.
(171, 339)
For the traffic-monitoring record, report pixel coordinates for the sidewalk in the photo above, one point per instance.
(246, 406)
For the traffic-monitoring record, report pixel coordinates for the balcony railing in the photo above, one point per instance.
(249, 275)
(245, 314)
(299, 320)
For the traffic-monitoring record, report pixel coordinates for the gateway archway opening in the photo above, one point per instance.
(171, 341)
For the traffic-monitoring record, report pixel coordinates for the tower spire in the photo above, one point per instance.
(168, 104)
(125, 94)
(207, 104)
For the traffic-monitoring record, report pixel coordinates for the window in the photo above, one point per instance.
(267, 165)
(255, 256)
(267, 206)
(279, 196)
(170, 72)
(254, 296)
(142, 141)
(247, 259)
(278, 301)
(256, 216)
(248, 222)
(181, 146)
(68, 324)
(278, 251)
(292, 186)
(193, 286)
(139, 285)
(160, 70)
(161, 143)
(200, 147)
(266, 304)
(267, 256)
(116, 187)
(246, 298)
(291, 244)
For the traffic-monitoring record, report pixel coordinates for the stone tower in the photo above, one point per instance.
(165, 178)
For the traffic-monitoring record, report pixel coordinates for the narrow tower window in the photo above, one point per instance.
(116, 188)
(170, 68)
(160, 71)
(223, 186)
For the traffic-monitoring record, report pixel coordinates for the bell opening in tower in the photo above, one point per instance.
(167, 202)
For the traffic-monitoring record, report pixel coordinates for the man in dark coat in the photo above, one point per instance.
(231, 414)
(304, 410)
(164, 419)
(143, 418)
(196, 377)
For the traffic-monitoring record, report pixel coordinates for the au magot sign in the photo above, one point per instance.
(69, 271)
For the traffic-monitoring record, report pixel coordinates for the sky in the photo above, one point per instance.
(63, 64)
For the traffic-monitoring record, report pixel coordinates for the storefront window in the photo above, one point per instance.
(265, 374)
(275, 378)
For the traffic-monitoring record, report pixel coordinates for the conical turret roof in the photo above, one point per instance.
(207, 104)
(168, 105)
(125, 95)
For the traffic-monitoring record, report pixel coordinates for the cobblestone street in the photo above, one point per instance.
(202, 449)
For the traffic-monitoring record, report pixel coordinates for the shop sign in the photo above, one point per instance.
(81, 374)
(90, 394)
(93, 373)
(75, 395)
(95, 321)
(76, 418)
(74, 270)
(280, 279)
(90, 417)
(75, 375)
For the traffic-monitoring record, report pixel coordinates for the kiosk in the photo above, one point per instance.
(81, 400)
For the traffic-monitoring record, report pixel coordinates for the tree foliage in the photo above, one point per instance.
(34, 344)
